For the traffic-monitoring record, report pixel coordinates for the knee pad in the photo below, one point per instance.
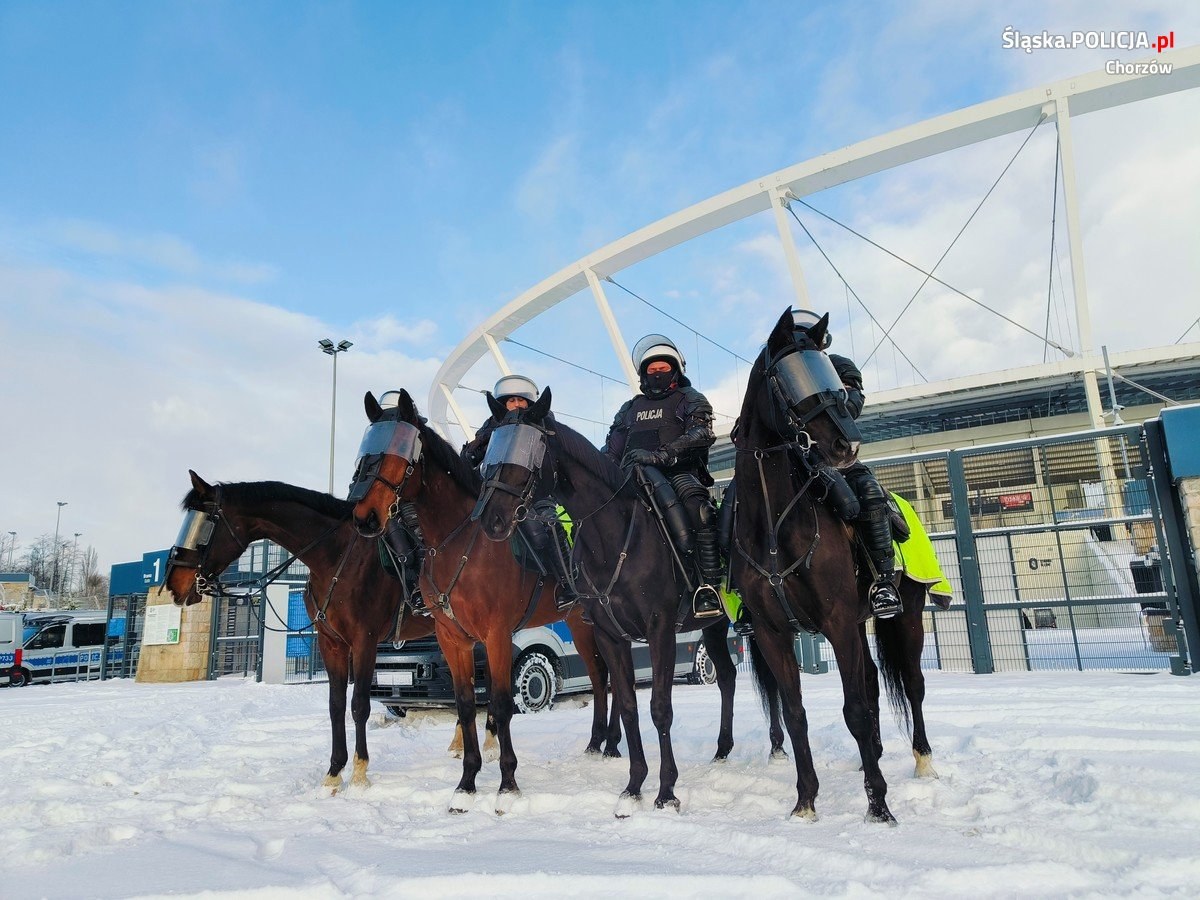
(838, 494)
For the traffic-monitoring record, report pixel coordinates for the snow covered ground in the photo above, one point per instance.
(1052, 784)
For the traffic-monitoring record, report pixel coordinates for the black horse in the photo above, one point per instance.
(795, 563)
(628, 579)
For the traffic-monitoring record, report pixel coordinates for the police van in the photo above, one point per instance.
(55, 646)
(545, 666)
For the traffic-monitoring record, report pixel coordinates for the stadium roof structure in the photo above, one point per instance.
(1056, 102)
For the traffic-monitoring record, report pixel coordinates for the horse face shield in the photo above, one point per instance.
(399, 439)
(800, 376)
(523, 446)
(194, 535)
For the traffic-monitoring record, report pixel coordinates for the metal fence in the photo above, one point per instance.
(1055, 549)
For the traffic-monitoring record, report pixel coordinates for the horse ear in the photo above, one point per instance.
(200, 484)
(541, 406)
(817, 333)
(782, 334)
(374, 410)
(408, 408)
(498, 409)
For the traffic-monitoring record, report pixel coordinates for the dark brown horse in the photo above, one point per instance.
(794, 560)
(629, 580)
(354, 604)
(475, 589)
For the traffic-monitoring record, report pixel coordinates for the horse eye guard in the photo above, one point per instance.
(515, 445)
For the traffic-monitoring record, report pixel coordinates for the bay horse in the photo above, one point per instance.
(475, 590)
(353, 603)
(794, 560)
(628, 580)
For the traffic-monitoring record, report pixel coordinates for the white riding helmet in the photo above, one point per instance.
(515, 386)
(657, 346)
(805, 319)
(389, 399)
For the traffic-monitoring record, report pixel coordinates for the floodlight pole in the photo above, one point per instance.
(328, 347)
(54, 587)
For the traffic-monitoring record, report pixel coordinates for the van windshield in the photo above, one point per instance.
(48, 638)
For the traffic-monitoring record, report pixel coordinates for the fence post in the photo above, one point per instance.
(1182, 573)
(968, 562)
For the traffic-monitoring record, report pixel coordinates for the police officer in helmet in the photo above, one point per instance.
(872, 523)
(542, 529)
(669, 426)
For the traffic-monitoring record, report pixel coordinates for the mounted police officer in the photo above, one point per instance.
(872, 522)
(668, 427)
(402, 536)
(542, 529)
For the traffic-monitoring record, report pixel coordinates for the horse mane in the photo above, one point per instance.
(584, 452)
(275, 491)
(439, 452)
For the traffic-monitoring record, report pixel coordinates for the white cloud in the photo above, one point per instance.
(164, 252)
(117, 389)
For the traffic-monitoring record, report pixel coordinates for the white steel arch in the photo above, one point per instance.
(1058, 101)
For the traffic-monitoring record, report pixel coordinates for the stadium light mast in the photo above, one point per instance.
(328, 347)
(54, 589)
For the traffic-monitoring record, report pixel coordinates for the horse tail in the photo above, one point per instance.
(765, 684)
(889, 643)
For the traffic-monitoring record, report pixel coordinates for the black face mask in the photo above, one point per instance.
(656, 384)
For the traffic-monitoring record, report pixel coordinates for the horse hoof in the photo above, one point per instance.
(333, 783)
(720, 757)
(667, 803)
(883, 817)
(359, 778)
(627, 805)
(461, 802)
(804, 814)
(925, 767)
(505, 801)
(614, 753)
(778, 755)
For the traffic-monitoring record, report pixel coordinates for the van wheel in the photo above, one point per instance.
(20, 678)
(703, 670)
(396, 710)
(535, 683)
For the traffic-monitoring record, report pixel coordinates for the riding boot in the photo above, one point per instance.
(876, 532)
(706, 602)
(415, 560)
(742, 623)
(566, 576)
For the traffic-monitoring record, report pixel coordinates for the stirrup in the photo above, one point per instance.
(564, 597)
(743, 625)
(706, 602)
(417, 603)
(885, 602)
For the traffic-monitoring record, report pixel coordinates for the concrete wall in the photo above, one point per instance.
(187, 660)
(1189, 495)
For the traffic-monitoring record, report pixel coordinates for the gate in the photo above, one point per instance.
(1055, 548)
(236, 635)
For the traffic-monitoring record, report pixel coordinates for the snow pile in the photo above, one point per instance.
(1051, 784)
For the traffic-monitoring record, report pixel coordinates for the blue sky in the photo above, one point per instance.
(191, 194)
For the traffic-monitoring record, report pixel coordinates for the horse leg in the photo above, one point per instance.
(779, 654)
(843, 634)
(661, 637)
(336, 657)
(456, 743)
(491, 747)
(360, 707)
(912, 642)
(500, 710)
(597, 669)
(871, 683)
(717, 645)
(459, 651)
(619, 656)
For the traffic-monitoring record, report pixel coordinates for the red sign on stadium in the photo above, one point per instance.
(1016, 502)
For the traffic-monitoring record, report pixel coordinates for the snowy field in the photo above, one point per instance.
(1053, 784)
